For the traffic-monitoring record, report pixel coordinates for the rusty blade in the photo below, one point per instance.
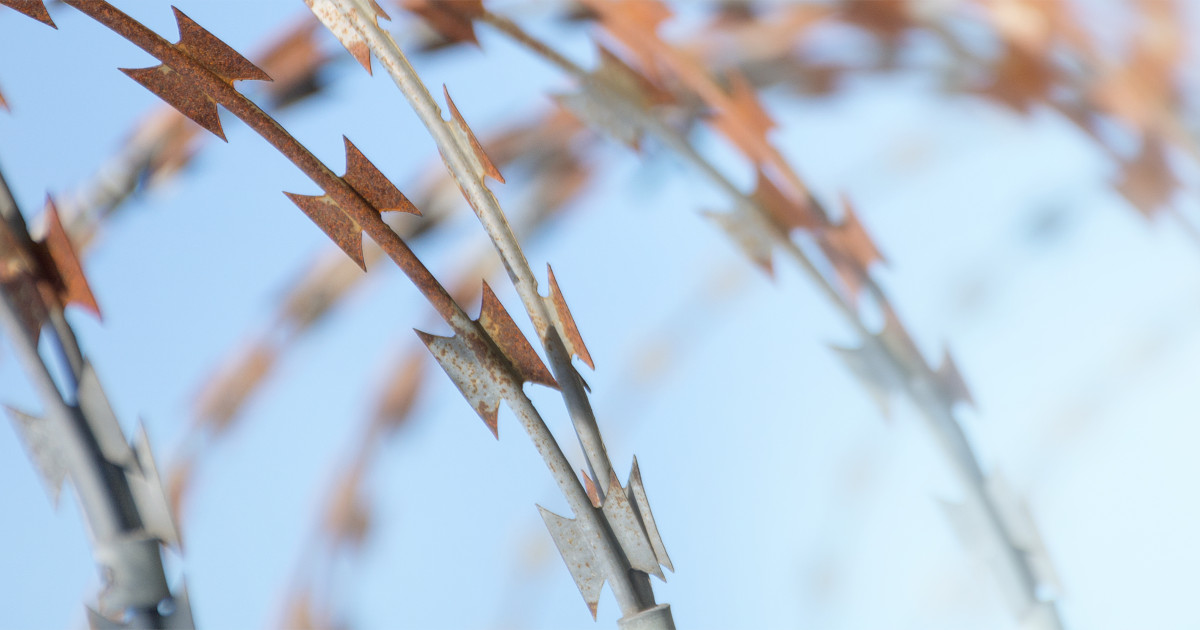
(565, 322)
(328, 13)
(477, 383)
(372, 184)
(226, 392)
(400, 394)
(213, 53)
(295, 61)
(511, 341)
(453, 21)
(488, 370)
(481, 163)
(334, 222)
(35, 9)
(181, 93)
(61, 259)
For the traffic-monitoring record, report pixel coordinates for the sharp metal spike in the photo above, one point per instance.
(180, 93)
(336, 224)
(215, 54)
(750, 232)
(787, 214)
(329, 15)
(589, 486)
(628, 529)
(482, 164)
(565, 322)
(35, 9)
(869, 367)
(454, 21)
(637, 496)
(379, 12)
(850, 238)
(466, 371)
(577, 553)
(43, 450)
(103, 422)
(373, 185)
(511, 341)
(73, 283)
(951, 380)
(148, 493)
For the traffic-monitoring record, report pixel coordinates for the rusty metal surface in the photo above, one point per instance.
(35, 9)
(566, 322)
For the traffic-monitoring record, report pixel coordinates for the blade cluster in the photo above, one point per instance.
(82, 441)
(44, 274)
(183, 92)
(627, 511)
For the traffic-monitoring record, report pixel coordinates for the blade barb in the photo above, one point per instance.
(511, 341)
(566, 322)
(483, 165)
(215, 54)
(334, 222)
(637, 496)
(181, 94)
(750, 233)
(867, 366)
(372, 184)
(74, 288)
(951, 381)
(35, 9)
(576, 552)
(464, 368)
(628, 529)
(43, 450)
(148, 495)
(329, 15)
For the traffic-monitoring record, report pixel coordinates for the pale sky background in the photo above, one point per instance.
(784, 499)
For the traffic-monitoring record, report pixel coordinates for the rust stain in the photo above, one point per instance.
(62, 263)
(590, 486)
(489, 169)
(511, 341)
(569, 328)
